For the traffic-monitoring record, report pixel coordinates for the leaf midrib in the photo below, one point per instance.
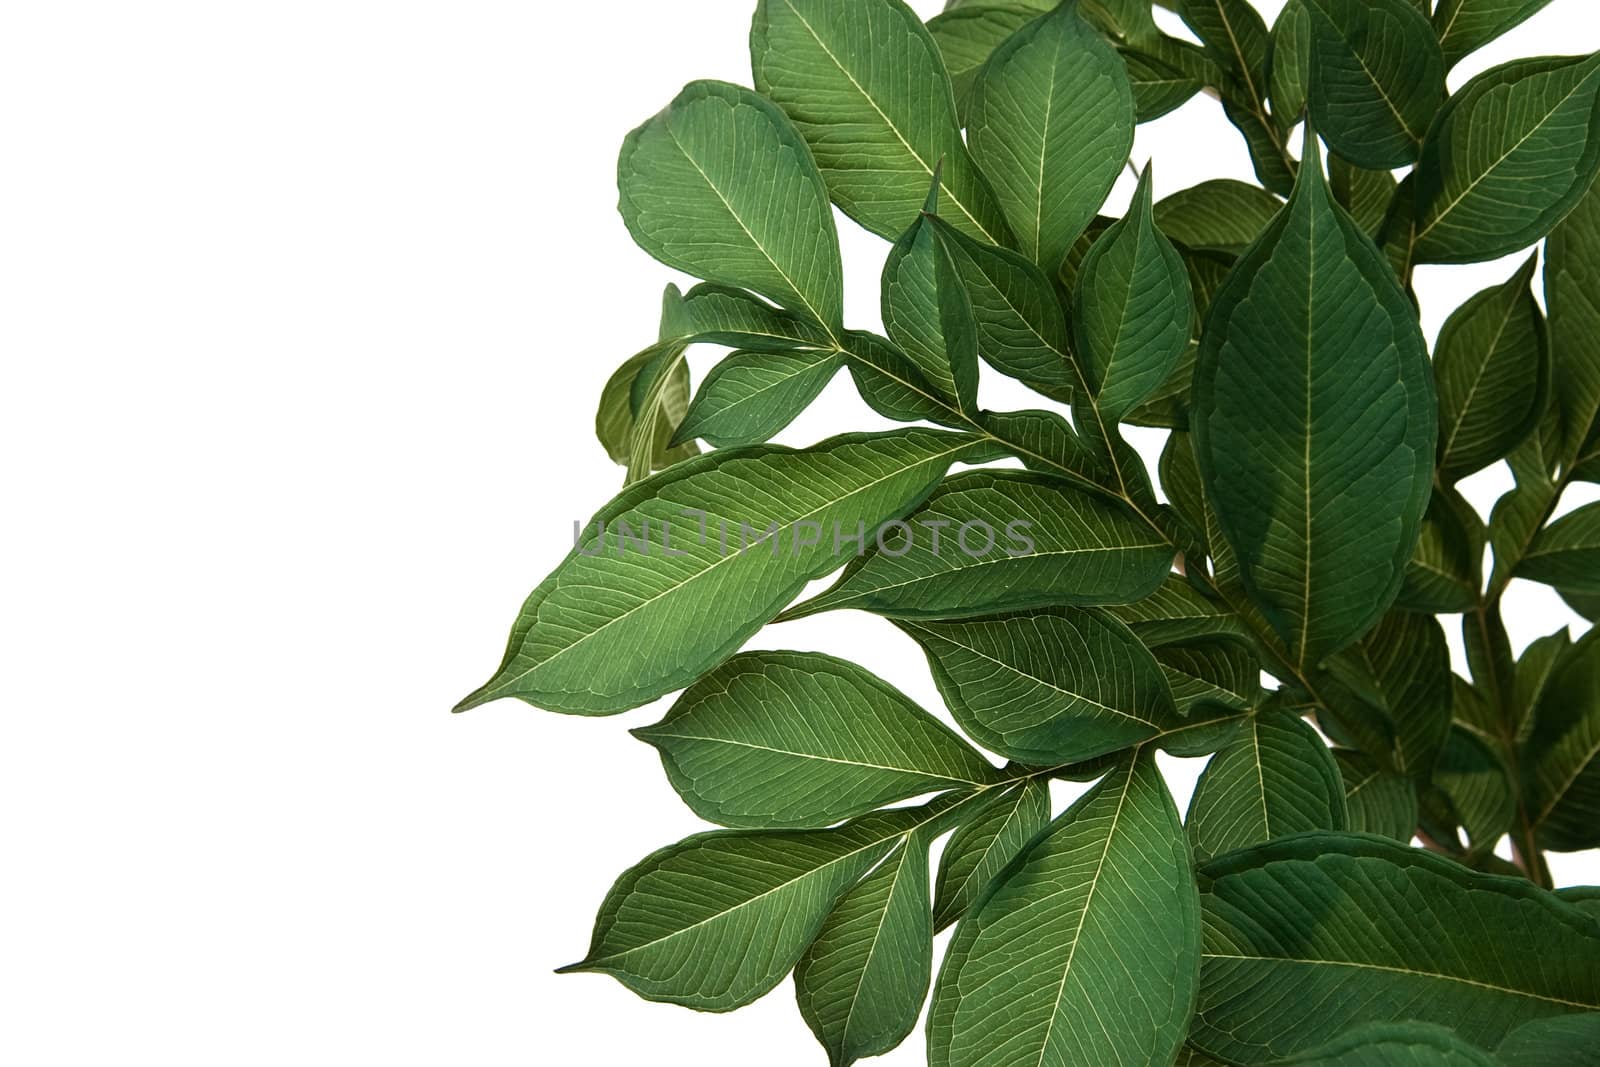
(1407, 971)
(911, 771)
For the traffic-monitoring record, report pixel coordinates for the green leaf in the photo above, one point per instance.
(1371, 931)
(1021, 329)
(1319, 467)
(865, 84)
(1465, 26)
(616, 425)
(1474, 778)
(1047, 687)
(1211, 673)
(1366, 194)
(1396, 1045)
(1134, 310)
(928, 315)
(619, 624)
(1566, 554)
(718, 314)
(716, 921)
(1572, 1040)
(984, 845)
(862, 982)
(1178, 612)
(1234, 36)
(1492, 365)
(1289, 79)
(1507, 158)
(1572, 294)
(1221, 215)
(1051, 123)
(1377, 801)
(1403, 668)
(1377, 79)
(991, 541)
(1159, 86)
(1085, 952)
(800, 740)
(750, 396)
(892, 385)
(1563, 753)
(721, 185)
(1276, 778)
(1446, 572)
(1586, 898)
(968, 36)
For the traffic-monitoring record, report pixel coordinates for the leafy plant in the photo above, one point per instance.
(1076, 619)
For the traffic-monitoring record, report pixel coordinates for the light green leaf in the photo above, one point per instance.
(1276, 778)
(750, 396)
(1572, 294)
(800, 740)
(1319, 467)
(1377, 79)
(1051, 123)
(1021, 330)
(721, 315)
(716, 921)
(616, 425)
(1492, 365)
(1563, 754)
(865, 84)
(967, 37)
(1085, 952)
(1221, 215)
(1134, 312)
(619, 623)
(1507, 158)
(721, 185)
(1371, 931)
(1376, 801)
(1395, 1045)
(928, 315)
(1465, 26)
(1571, 1040)
(862, 982)
(990, 541)
(1566, 554)
(1047, 687)
(984, 845)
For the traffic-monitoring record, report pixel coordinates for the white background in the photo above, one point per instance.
(304, 309)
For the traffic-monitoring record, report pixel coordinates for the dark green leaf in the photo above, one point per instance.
(1403, 668)
(1208, 674)
(1377, 801)
(981, 848)
(1371, 931)
(1319, 467)
(1366, 194)
(1021, 330)
(1085, 952)
(892, 385)
(1289, 81)
(1178, 612)
(1492, 365)
(1567, 553)
(619, 623)
(1051, 123)
(862, 982)
(721, 185)
(1048, 687)
(1377, 78)
(1134, 311)
(1467, 25)
(1446, 572)
(927, 314)
(990, 541)
(1395, 1045)
(866, 86)
(1221, 215)
(1474, 778)
(1158, 87)
(1508, 157)
(799, 740)
(1572, 293)
(1276, 778)
(1571, 1040)
(1563, 753)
